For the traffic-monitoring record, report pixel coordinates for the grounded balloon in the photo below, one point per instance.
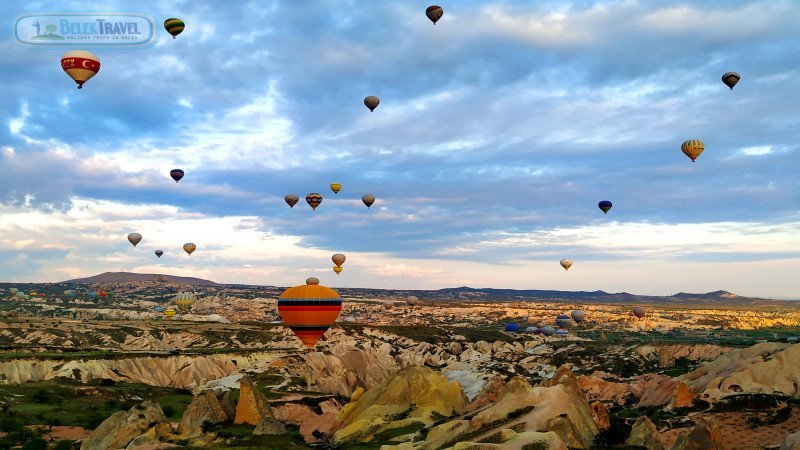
(135, 238)
(176, 174)
(336, 187)
(548, 331)
(563, 321)
(562, 333)
(512, 327)
(338, 270)
(368, 199)
(338, 259)
(80, 65)
(189, 247)
(693, 148)
(309, 310)
(184, 301)
(639, 311)
(532, 330)
(566, 263)
(605, 205)
(313, 200)
(174, 26)
(578, 315)
(291, 200)
(730, 79)
(372, 102)
(159, 253)
(103, 294)
(412, 300)
(434, 13)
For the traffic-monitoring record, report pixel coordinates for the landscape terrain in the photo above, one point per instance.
(440, 371)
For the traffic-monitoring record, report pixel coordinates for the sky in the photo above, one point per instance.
(499, 130)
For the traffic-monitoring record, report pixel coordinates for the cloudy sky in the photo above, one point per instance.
(499, 130)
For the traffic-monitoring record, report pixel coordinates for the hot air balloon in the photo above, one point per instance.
(563, 321)
(639, 311)
(412, 300)
(93, 295)
(371, 102)
(562, 333)
(13, 291)
(730, 79)
(531, 330)
(313, 199)
(291, 200)
(309, 310)
(434, 13)
(578, 315)
(548, 331)
(338, 270)
(184, 301)
(169, 313)
(368, 199)
(176, 174)
(512, 327)
(604, 205)
(338, 259)
(159, 253)
(189, 247)
(103, 294)
(336, 187)
(135, 238)
(80, 65)
(566, 263)
(692, 148)
(174, 26)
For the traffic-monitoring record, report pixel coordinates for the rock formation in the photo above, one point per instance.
(123, 426)
(253, 406)
(644, 434)
(204, 408)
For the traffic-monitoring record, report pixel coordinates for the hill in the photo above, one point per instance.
(128, 277)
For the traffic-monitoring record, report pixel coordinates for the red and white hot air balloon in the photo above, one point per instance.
(80, 65)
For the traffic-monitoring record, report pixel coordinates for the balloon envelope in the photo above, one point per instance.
(434, 13)
(578, 315)
(371, 102)
(176, 174)
(338, 259)
(313, 199)
(80, 65)
(174, 26)
(562, 332)
(693, 148)
(368, 199)
(134, 238)
(291, 200)
(336, 187)
(184, 301)
(548, 331)
(563, 321)
(730, 79)
(512, 327)
(604, 205)
(189, 247)
(159, 253)
(337, 269)
(639, 311)
(309, 311)
(566, 263)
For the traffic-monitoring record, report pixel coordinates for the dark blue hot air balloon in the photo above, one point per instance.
(512, 327)
(605, 205)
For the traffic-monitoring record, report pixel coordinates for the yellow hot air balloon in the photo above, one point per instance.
(169, 313)
(189, 247)
(692, 148)
(80, 65)
(566, 263)
(336, 187)
(184, 301)
(337, 269)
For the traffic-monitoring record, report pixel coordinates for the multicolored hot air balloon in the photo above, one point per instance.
(159, 253)
(692, 148)
(336, 187)
(578, 315)
(189, 247)
(134, 238)
(604, 205)
(562, 333)
(566, 263)
(291, 200)
(313, 199)
(639, 311)
(174, 26)
(563, 321)
(372, 102)
(434, 13)
(368, 199)
(730, 79)
(80, 65)
(309, 310)
(184, 301)
(176, 174)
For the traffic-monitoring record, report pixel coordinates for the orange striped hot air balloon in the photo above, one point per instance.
(309, 310)
(80, 65)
